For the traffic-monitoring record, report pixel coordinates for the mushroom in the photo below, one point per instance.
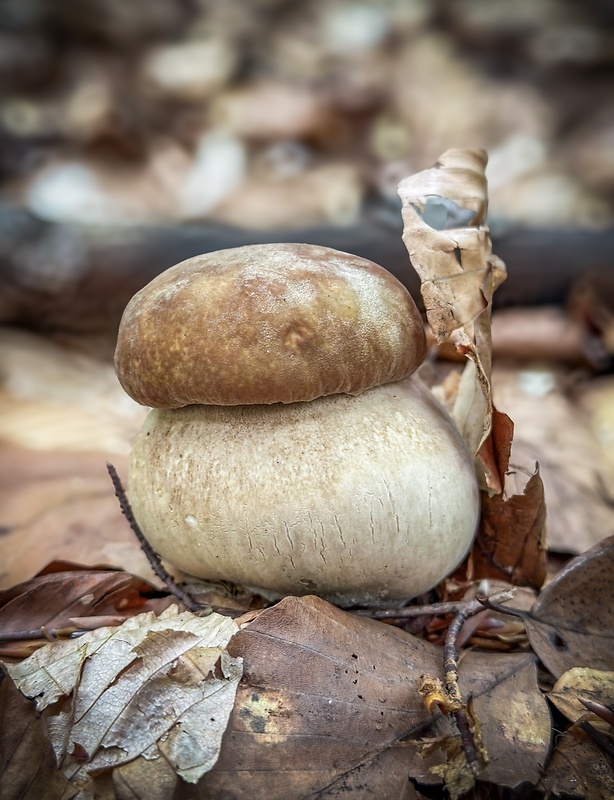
(288, 450)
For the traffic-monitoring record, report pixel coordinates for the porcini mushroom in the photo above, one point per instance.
(288, 449)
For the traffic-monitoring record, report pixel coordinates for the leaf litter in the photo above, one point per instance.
(157, 687)
(328, 703)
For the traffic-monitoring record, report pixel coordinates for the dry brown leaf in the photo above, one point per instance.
(56, 505)
(444, 215)
(326, 693)
(385, 776)
(581, 683)
(572, 621)
(65, 598)
(157, 777)
(597, 401)
(555, 431)
(53, 398)
(158, 687)
(513, 715)
(511, 541)
(578, 770)
(28, 769)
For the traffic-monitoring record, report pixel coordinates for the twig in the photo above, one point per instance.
(493, 603)
(600, 740)
(152, 556)
(450, 664)
(50, 634)
(467, 607)
(606, 713)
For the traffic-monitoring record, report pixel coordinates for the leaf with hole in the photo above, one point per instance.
(572, 621)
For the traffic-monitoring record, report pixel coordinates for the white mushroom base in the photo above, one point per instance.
(361, 500)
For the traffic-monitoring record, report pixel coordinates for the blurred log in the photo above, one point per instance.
(72, 279)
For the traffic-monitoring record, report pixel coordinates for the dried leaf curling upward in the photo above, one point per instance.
(445, 232)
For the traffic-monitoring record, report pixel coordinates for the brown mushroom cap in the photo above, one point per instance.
(263, 324)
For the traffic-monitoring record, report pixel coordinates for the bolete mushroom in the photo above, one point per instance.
(288, 449)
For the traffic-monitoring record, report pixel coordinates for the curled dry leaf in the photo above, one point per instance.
(69, 597)
(328, 698)
(572, 621)
(511, 539)
(445, 231)
(160, 687)
(28, 769)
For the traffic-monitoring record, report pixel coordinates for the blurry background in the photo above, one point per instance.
(136, 134)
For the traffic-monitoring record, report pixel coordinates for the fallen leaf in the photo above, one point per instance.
(57, 505)
(56, 599)
(325, 694)
(385, 776)
(578, 770)
(597, 401)
(581, 683)
(28, 769)
(445, 231)
(156, 776)
(554, 430)
(513, 715)
(511, 541)
(53, 398)
(572, 621)
(159, 687)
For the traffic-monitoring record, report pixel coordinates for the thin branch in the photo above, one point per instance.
(153, 558)
(606, 713)
(600, 740)
(467, 607)
(450, 666)
(49, 634)
(493, 603)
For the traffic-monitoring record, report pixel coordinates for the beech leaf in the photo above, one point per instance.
(72, 597)
(155, 687)
(581, 683)
(511, 539)
(571, 623)
(328, 698)
(28, 769)
(445, 232)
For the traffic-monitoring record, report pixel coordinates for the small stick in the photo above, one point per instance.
(49, 634)
(450, 666)
(467, 607)
(606, 713)
(600, 740)
(152, 556)
(493, 603)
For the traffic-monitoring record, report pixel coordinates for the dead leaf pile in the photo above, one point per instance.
(64, 599)
(155, 689)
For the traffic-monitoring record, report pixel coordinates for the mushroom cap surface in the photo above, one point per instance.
(265, 324)
(361, 499)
